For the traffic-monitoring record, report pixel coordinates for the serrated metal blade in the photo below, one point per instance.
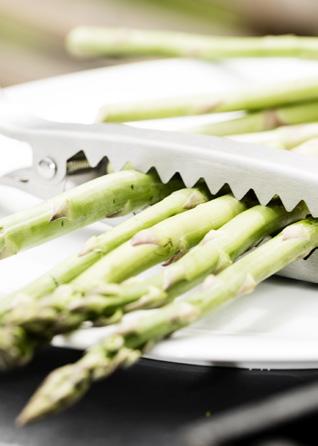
(219, 161)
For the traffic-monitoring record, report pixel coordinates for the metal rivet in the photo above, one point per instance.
(47, 168)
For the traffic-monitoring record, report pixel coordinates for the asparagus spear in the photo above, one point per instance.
(68, 384)
(261, 120)
(216, 251)
(123, 42)
(98, 246)
(109, 195)
(249, 99)
(168, 238)
(285, 137)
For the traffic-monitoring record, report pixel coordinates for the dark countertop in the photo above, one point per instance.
(145, 405)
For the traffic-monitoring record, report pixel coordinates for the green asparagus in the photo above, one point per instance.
(123, 42)
(285, 137)
(249, 99)
(168, 238)
(260, 121)
(107, 196)
(68, 384)
(98, 246)
(216, 251)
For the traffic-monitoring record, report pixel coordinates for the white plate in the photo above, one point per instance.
(276, 327)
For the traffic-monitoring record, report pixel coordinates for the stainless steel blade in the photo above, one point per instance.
(268, 171)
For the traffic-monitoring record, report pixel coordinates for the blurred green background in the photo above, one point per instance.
(32, 32)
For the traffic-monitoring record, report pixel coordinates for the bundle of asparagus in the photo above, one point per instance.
(67, 385)
(28, 321)
(32, 316)
(199, 236)
(67, 308)
(168, 238)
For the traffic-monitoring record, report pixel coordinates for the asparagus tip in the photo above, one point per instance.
(61, 389)
(22, 419)
(16, 348)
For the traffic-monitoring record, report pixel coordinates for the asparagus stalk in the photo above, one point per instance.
(98, 246)
(216, 251)
(168, 238)
(249, 99)
(109, 195)
(285, 137)
(68, 384)
(261, 120)
(123, 42)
